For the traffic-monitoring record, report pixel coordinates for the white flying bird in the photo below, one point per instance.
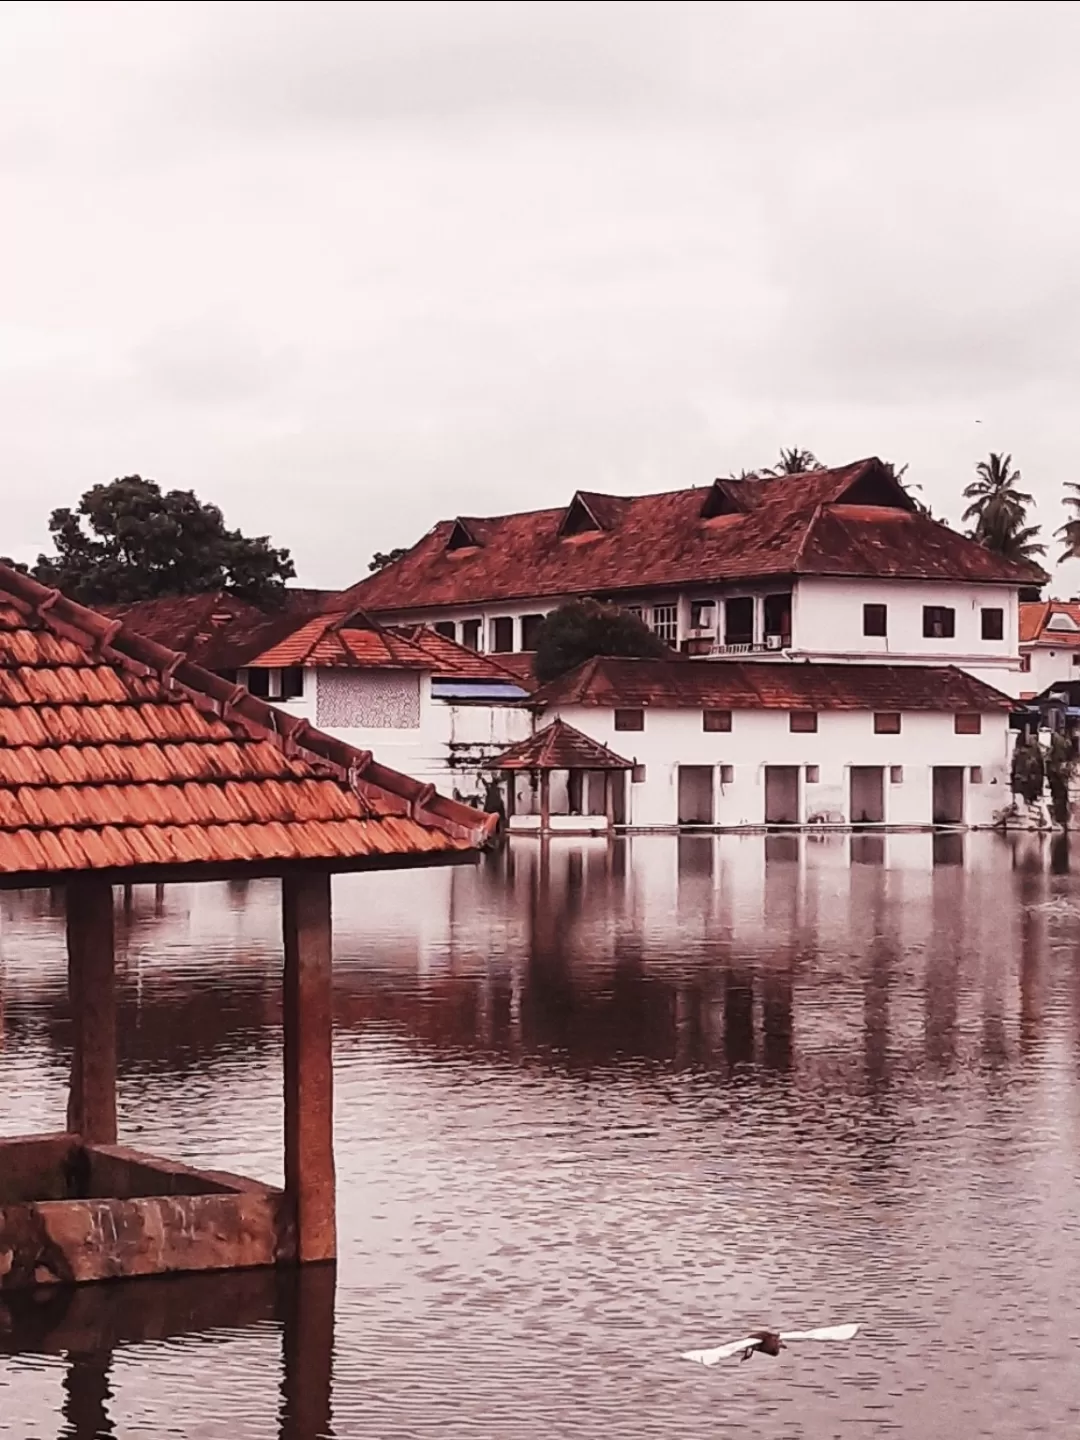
(768, 1342)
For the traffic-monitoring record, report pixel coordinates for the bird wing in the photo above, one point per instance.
(722, 1352)
(827, 1332)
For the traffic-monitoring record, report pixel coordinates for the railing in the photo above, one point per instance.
(754, 647)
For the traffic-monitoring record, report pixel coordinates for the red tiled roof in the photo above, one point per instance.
(560, 747)
(119, 755)
(1035, 616)
(765, 685)
(855, 520)
(447, 658)
(333, 641)
(217, 630)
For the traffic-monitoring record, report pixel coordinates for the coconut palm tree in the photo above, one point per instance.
(794, 462)
(1070, 531)
(998, 510)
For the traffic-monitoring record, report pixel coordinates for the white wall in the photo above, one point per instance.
(844, 738)
(1050, 665)
(828, 625)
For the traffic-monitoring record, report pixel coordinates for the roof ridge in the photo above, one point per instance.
(295, 737)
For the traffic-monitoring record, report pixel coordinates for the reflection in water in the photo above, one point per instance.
(597, 1102)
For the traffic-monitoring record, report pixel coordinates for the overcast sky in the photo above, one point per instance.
(348, 268)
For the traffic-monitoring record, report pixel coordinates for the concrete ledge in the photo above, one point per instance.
(71, 1213)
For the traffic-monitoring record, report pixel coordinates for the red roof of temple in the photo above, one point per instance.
(764, 685)
(1037, 627)
(117, 754)
(856, 520)
(560, 747)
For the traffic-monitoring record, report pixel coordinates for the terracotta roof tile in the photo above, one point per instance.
(559, 746)
(764, 685)
(850, 521)
(1035, 627)
(117, 754)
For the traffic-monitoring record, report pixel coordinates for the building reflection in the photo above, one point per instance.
(835, 958)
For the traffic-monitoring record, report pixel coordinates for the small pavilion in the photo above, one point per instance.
(122, 763)
(592, 795)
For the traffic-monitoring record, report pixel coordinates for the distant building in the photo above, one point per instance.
(833, 566)
(1049, 644)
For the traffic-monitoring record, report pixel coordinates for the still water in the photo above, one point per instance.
(596, 1105)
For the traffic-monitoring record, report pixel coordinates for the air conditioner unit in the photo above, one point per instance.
(774, 642)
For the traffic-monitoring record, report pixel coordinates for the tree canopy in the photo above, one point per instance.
(581, 629)
(998, 510)
(795, 461)
(382, 558)
(130, 541)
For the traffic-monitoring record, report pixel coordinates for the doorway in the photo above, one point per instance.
(695, 794)
(948, 798)
(781, 795)
(867, 795)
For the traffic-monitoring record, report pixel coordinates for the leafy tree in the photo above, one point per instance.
(1060, 765)
(581, 629)
(382, 558)
(1070, 531)
(130, 541)
(794, 462)
(998, 510)
(1028, 770)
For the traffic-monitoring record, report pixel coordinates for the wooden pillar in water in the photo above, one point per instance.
(545, 800)
(92, 993)
(309, 1074)
(609, 798)
(307, 1344)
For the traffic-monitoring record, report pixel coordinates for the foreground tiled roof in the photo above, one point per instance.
(1035, 624)
(851, 521)
(764, 685)
(560, 747)
(119, 755)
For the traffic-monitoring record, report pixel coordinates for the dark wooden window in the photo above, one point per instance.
(727, 774)
(993, 623)
(967, 723)
(470, 634)
(1025, 663)
(975, 775)
(716, 719)
(258, 682)
(502, 634)
(530, 630)
(896, 774)
(813, 774)
(629, 719)
(292, 683)
(938, 622)
(739, 621)
(887, 722)
(875, 619)
(637, 775)
(802, 722)
(447, 628)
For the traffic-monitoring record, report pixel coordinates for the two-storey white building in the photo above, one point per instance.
(836, 565)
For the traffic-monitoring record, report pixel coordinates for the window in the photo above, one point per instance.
(896, 774)
(813, 774)
(447, 628)
(702, 614)
(637, 612)
(777, 615)
(938, 622)
(629, 719)
(291, 685)
(637, 775)
(727, 774)
(1075, 660)
(993, 623)
(739, 621)
(665, 622)
(1025, 663)
(976, 774)
(887, 722)
(502, 634)
(470, 634)
(968, 724)
(716, 720)
(802, 722)
(875, 619)
(530, 630)
(258, 682)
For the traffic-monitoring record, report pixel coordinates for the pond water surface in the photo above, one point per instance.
(595, 1105)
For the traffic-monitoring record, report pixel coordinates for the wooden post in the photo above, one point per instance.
(307, 1346)
(87, 1394)
(91, 990)
(309, 1074)
(545, 800)
(609, 797)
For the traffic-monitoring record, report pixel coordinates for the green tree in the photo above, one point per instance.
(794, 462)
(1060, 765)
(1028, 769)
(1070, 531)
(382, 558)
(998, 510)
(582, 629)
(130, 541)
